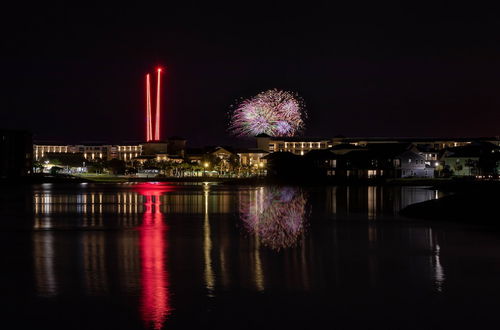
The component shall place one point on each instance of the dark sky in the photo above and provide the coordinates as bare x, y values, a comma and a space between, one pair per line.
76, 73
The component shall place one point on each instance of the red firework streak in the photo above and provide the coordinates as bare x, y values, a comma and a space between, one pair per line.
149, 116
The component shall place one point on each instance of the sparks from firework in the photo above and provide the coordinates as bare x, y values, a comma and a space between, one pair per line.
276, 215
273, 112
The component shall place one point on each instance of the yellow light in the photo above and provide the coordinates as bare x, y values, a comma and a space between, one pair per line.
205, 164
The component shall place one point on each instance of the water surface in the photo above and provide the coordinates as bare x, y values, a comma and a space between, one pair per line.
173, 256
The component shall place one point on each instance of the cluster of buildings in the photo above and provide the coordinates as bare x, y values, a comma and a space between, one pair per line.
337, 157
340, 157
371, 158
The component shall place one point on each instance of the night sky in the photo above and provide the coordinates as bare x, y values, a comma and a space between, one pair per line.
77, 74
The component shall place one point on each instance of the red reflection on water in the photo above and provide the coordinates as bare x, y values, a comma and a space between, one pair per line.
155, 301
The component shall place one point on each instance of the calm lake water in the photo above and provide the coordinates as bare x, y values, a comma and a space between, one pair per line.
177, 256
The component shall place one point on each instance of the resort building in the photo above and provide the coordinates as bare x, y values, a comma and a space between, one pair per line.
295, 145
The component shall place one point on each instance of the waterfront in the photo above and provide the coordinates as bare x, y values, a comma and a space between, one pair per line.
160, 255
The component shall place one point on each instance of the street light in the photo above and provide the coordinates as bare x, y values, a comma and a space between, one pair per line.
205, 165
261, 166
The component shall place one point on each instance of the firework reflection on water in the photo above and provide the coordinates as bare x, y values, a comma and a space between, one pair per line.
277, 215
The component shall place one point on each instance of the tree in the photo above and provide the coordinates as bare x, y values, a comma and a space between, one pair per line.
37, 167
96, 166
116, 166
166, 167
55, 170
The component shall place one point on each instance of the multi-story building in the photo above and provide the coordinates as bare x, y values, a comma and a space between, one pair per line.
429, 147
430, 143
252, 157
40, 150
295, 145
90, 151
127, 152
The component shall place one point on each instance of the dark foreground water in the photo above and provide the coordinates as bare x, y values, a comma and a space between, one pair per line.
174, 256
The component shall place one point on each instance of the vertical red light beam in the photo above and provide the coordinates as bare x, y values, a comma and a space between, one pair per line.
149, 126
157, 124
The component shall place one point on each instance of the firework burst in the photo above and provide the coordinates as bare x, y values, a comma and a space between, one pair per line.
273, 112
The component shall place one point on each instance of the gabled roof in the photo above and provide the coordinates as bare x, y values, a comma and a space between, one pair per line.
208, 150
381, 151
392, 148
345, 146
282, 156
320, 154
250, 151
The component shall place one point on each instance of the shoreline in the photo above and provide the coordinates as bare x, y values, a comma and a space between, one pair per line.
469, 204
455, 185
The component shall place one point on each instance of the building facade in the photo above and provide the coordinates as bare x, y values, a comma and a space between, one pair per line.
296, 145
91, 151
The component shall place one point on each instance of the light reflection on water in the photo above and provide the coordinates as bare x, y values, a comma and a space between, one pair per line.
276, 216
149, 240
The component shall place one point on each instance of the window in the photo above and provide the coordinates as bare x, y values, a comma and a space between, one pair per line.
372, 174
